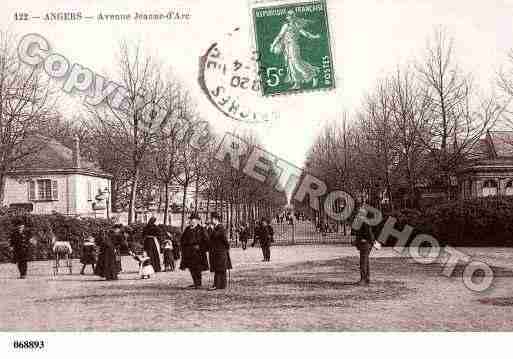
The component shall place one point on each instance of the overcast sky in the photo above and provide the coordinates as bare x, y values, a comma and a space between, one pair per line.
369, 38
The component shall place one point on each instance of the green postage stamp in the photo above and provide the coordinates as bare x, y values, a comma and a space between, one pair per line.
293, 45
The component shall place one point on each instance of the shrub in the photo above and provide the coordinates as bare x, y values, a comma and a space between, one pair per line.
43, 226
478, 222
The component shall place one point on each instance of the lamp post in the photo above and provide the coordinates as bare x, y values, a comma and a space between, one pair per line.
104, 195
107, 202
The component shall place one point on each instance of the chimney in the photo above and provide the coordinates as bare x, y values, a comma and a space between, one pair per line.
76, 152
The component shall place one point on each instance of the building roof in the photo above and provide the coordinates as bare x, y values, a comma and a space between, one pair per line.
501, 143
482, 150
50, 155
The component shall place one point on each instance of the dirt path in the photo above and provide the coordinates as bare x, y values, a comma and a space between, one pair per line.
303, 288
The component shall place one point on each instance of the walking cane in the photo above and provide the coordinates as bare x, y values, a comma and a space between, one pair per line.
229, 278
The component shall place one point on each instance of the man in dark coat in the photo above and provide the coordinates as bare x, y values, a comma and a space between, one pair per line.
244, 235
151, 234
108, 267
119, 239
194, 246
109, 259
219, 249
20, 243
264, 234
100, 239
364, 241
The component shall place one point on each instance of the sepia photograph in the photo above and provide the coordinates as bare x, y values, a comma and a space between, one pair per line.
191, 177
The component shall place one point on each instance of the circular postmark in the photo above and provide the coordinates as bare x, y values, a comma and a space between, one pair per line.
228, 75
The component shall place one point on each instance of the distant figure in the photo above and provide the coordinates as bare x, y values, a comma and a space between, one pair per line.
364, 242
219, 247
20, 243
264, 234
176, 249
194, 246
209, 229
151, 234
88, 256
145, 268
169, 260
244, 235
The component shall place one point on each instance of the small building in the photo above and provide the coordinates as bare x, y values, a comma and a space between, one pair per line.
56, 179
491, 172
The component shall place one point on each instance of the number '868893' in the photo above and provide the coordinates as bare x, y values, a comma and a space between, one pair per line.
29, 344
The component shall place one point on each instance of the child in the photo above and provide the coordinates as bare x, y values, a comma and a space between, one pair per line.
88, 254
169, 261
145, 267
176, 249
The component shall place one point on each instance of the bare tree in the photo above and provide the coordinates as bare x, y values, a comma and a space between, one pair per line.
379, 146
133, 128
25, 105
410, 118
455, 125
505, 82
171, 140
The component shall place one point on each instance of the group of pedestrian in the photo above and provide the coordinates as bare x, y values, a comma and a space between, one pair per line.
285, 216
196, 242
201, 248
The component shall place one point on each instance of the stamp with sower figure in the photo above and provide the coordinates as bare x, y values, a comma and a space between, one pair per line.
293, 44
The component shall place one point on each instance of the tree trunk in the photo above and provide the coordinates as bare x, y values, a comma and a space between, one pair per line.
2, 189
113, 194
208, 203
231, 220
166, 203
159, 208
196, 197
183, 204
133, 194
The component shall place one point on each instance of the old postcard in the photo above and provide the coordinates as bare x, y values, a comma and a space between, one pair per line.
245, 166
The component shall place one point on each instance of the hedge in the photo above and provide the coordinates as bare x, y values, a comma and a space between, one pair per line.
482, 222
75, 230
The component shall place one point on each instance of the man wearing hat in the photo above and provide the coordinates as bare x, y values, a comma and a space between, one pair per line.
20, 243
194, 242
219, 249
264, 234
364, 242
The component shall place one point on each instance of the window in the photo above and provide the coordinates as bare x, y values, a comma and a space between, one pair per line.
42, 190
32, 190
509, 188
89, 191
490, 188
467, 189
